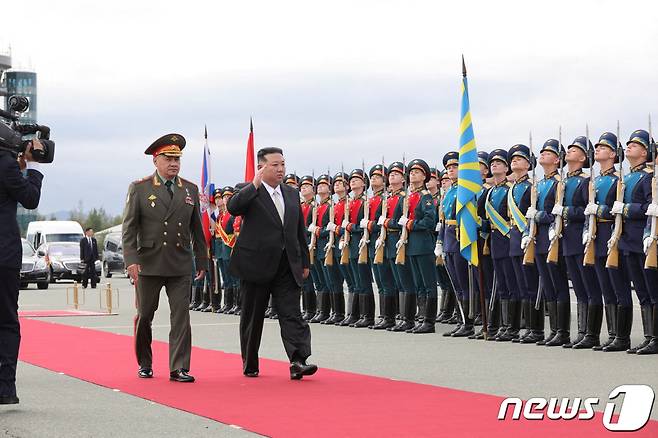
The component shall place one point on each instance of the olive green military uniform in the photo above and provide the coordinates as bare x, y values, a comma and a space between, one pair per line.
162, 233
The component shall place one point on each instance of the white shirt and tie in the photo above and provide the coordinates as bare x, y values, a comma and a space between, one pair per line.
277, 198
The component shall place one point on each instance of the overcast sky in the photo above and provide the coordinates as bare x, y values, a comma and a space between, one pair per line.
330, 82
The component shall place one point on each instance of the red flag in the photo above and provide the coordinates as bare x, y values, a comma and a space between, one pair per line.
249, 171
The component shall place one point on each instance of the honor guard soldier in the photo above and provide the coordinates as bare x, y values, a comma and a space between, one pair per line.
377, 237
447, 306
456, 265
341, 189
518, 201
332, 280
401, 272
314, 281
612, 281
583, 278
637, 197
292, 180
498, 221
216, 244
224, 230
237, 297
552, 276
420, 224
361, 272
160, 220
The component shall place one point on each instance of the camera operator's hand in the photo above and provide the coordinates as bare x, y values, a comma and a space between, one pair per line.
35, 144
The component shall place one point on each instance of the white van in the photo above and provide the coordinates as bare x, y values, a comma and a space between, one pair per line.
40, 232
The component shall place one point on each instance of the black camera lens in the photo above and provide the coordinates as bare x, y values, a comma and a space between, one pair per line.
18, 103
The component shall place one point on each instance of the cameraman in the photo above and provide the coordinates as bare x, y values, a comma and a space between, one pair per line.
14, 188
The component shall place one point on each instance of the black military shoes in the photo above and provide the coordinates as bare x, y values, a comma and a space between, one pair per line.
145, 373
180, 376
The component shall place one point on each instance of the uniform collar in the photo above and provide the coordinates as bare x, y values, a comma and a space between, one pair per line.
502, 183
639, 167
575, 173
608, 171
550, 175
523, 178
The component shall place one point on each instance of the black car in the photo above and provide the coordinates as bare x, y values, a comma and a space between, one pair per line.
113, 255
34, 268
63, 259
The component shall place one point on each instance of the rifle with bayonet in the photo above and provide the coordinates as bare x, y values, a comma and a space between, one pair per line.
314, 222
529, 250
555, 231
363, 244
612, 261
590, 245
345, 251
651, 261
381, 240
329, 253
401, 250
441, 223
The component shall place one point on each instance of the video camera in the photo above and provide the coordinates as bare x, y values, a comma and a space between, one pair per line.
13, 133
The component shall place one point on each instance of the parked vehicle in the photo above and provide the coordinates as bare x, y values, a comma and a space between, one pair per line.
113, 255
63, 259
40, 232
34, 268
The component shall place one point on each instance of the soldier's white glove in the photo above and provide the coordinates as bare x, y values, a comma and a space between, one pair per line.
381, 220
525, 241
331, 227
557, 210
438, 249
364, 223
531, 213
345, 223
585, 237
652, 210
591, 209
399, 244
312, 228
378, 244
327, 246
439, 225
647, 243
363, 243
403, 221
617, 208
341, 245
551, 234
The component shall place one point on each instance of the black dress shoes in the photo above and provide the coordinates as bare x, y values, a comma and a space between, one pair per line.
145, 373
251, 373
299, 369
181, 376
8, 400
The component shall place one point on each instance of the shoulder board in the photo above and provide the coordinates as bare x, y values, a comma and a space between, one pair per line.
648, 169
426, 192
146, 178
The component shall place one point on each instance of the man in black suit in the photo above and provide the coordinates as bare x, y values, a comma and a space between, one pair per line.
88, 256
26, 190
271, 257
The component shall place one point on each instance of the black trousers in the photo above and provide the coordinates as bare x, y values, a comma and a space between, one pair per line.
10, 331
89, 274
295, 333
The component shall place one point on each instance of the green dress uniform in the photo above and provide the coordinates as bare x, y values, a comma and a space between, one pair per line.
163, 233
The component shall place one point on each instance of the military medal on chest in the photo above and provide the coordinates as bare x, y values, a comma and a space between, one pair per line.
152, 198
188, 198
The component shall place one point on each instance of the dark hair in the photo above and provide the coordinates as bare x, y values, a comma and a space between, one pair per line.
88, 228
266, 151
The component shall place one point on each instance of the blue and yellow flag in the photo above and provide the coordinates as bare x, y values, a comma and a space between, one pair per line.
469, 181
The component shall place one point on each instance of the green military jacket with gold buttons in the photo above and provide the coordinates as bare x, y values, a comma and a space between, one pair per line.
162, 234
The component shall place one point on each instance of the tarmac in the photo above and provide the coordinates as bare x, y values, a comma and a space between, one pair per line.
55, 405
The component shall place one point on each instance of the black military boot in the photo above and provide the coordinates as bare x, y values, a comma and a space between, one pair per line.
352, 314
216, 301
322, 312
449, 307
652, 346
238, 301
311, 305
624, 324
228, 300
458, 320
581, 315
611, 323
339, 307
526, 310
205, 302
399, 308
367, 306
382, 312
409, 314
442, 306
647, 327
594, 322
493, 321
389, 313
536, 324
551, 306
196, 296
429, 320
503, 305
422, 301
401, 301
477, 312
466, 328
512, 331
331, 319
563, 325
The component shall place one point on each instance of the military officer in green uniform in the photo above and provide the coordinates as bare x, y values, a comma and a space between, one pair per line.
162, 242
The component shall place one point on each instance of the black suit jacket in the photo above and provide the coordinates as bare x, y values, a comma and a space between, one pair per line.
263, 237
87, 254
14, 188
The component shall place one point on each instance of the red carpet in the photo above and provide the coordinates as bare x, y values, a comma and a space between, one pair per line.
329, 404
56, 313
